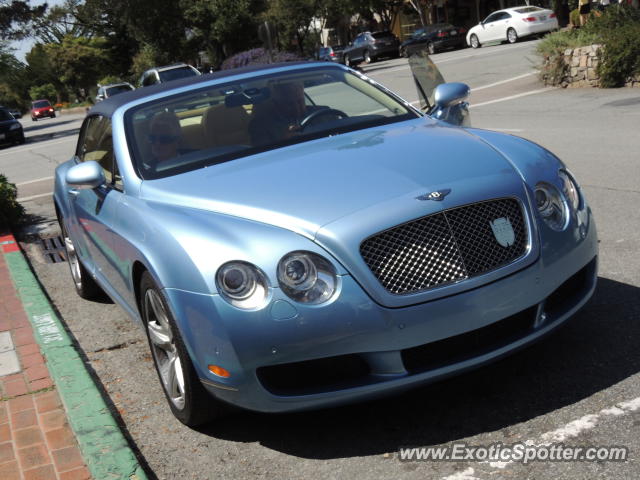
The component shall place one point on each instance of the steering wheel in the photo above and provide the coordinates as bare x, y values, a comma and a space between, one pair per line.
318, 113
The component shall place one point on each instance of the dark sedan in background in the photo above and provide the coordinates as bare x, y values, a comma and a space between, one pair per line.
436, 37
10, 128
367, 47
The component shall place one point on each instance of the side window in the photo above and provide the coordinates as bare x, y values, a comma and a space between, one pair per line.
87, 140
97, 145
492, 18
505, 16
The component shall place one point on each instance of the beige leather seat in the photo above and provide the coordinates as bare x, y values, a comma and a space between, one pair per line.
222, 125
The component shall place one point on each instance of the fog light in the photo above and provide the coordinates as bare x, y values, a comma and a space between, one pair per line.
219, 371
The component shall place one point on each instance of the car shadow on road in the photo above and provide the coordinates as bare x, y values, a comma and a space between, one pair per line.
46, 123
51, 135
595, 350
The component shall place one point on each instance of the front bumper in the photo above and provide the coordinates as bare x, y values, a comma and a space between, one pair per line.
287, 358
43, 113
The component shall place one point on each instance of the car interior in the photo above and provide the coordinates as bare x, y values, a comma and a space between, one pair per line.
222, 122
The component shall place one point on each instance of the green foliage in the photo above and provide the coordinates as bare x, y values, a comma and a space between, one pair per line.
16, 17
145, 59
574, 17
558, 42
10, 210
47, 91
222, 28
79, 62
109, 79
552, 47
618, 29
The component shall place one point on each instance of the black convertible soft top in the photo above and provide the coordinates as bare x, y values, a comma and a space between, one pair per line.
111, 104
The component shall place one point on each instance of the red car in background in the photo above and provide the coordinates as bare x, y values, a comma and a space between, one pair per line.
41, 109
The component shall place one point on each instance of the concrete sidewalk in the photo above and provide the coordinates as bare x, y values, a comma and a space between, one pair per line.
54, 424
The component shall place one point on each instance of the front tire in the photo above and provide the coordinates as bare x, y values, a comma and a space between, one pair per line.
187, 398
475, 43
367, 57
84, 284
512, 36
347, 61
431, 48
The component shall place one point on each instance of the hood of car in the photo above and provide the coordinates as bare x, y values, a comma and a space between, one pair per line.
314, 184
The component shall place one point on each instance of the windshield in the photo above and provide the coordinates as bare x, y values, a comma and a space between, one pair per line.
223, 122
5, 115
41, 104
175, 73
116, 89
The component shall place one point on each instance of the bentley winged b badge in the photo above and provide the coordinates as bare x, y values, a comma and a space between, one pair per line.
436, 196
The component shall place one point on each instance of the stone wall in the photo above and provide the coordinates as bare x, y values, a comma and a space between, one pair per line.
581, 68
581, 64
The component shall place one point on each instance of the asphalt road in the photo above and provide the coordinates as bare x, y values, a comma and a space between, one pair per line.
580, 386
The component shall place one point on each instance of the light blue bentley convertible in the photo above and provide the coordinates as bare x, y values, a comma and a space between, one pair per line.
297, 236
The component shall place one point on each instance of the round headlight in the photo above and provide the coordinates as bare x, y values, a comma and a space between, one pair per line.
551, 206
242, 284
306, 277
570, 189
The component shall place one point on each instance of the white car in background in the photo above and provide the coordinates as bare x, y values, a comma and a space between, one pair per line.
512, 23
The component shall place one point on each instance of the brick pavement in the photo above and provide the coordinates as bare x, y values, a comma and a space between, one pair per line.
36, 442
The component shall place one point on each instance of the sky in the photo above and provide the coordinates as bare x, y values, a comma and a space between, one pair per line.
24, 46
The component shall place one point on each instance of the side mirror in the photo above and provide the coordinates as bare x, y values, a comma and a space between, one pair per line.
85, 175
450, 103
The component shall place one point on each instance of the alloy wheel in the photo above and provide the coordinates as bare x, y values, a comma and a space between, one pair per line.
72, 259
164, 349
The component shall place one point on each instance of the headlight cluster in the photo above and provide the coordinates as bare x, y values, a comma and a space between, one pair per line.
15, 126
554, 205
242, 284
305, 277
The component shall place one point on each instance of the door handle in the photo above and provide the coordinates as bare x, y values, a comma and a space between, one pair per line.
74, 192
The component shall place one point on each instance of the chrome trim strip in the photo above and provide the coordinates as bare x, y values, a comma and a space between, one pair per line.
218, 385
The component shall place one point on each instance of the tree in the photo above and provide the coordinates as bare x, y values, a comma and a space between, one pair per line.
60, 21
79, 62
108, 19
294, 19
220, 27
41, 70
12, 78
16, 18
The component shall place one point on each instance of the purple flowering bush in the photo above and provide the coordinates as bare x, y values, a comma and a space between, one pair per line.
258, 56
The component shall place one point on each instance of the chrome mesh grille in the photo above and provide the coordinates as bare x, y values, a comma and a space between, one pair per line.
444, 247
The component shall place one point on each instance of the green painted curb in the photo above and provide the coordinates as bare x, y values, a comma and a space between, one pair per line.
103, 446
